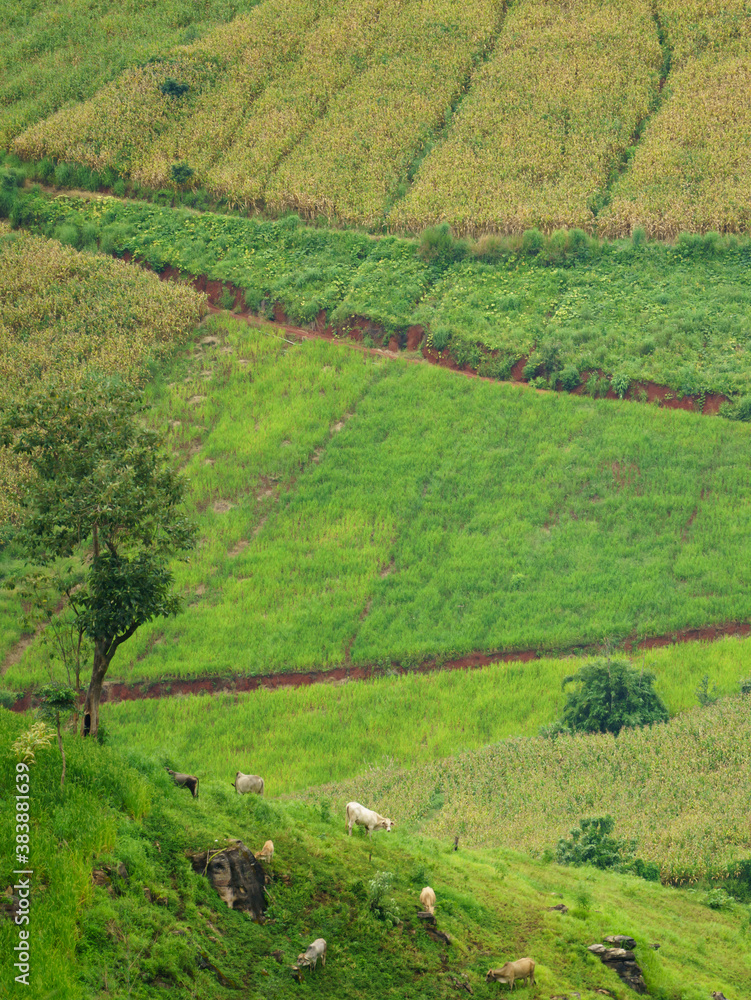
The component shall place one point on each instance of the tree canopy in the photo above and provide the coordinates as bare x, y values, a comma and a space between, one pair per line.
101, 490
611, 694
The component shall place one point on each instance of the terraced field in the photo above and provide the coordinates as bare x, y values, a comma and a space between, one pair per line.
591, 114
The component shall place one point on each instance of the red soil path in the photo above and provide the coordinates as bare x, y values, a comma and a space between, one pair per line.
356, 328
168, 687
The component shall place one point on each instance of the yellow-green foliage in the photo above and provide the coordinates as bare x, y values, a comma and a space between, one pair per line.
332, 53
132, 125
64, 314
545, 121
351, 164
681, 789
692, 170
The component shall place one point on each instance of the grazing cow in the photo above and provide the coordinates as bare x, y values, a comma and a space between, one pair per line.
185, 781
520, 969
367, 818
244, 783
267, 851
427, 898
312, 953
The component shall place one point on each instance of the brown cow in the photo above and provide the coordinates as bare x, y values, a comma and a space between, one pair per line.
522, 968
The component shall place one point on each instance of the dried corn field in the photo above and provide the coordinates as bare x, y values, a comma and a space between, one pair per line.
586, 114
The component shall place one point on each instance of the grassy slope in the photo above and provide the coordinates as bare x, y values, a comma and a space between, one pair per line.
347, 730
358, 510
492, 903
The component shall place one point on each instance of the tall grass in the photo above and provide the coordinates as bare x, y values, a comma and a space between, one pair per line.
359, 511
298, 737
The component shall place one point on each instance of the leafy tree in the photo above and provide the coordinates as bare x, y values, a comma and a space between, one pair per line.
103, 492
591, 844
611, 694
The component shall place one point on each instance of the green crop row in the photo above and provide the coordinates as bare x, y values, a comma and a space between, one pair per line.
678, 315
358, 510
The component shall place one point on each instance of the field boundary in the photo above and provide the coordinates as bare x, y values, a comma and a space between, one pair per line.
167, 687
352, 331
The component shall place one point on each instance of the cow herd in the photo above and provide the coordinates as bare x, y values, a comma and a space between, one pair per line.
356, 815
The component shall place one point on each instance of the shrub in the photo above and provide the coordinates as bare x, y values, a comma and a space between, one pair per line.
530, 369
591, 844
181, 173
611, 694
704, 696
174, 89
64, 175
439, 246
740, 410
620, 383
118, 188
719, 899
383, 907
569, 378
532, 242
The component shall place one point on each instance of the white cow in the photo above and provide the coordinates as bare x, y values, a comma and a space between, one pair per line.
367, 818
312, 953
244, 783
520, 969
427, 898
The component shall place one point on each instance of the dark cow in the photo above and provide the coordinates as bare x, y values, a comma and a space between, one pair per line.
185, 781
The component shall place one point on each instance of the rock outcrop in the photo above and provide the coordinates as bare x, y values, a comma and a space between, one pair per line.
236, 875
621, 959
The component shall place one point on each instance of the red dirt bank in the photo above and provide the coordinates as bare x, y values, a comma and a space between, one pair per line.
169, 687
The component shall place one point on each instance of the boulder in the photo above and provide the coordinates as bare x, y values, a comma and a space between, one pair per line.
621, 941
236, 875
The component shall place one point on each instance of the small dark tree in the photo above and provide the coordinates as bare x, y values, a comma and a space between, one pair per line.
56, 702
611, 694
591, 844
102, 492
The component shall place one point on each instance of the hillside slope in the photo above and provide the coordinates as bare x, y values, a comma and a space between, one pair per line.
155, 925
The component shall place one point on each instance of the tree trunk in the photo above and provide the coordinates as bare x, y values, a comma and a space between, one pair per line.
62, 752
94, 694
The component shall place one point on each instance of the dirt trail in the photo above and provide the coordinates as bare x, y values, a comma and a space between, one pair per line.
167, 687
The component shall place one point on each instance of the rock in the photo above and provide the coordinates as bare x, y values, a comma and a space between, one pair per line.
237, 877
622, 962
617, 955
621, 941
561, 908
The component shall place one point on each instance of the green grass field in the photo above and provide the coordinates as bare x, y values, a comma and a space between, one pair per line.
331, 732
358, 510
